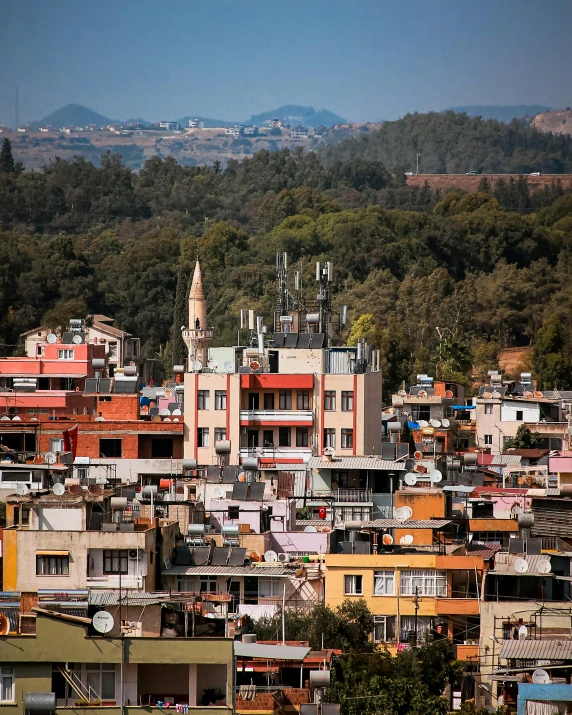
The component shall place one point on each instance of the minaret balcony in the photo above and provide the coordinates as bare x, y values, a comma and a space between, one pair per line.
193, 335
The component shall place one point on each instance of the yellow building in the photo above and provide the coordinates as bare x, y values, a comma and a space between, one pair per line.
445, 590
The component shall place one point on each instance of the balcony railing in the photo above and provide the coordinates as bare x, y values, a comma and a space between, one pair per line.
269, 416
344, 495
277, 452
112, 581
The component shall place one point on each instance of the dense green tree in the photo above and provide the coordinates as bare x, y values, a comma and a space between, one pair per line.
180, 319
552, 367
524, 439
7, 163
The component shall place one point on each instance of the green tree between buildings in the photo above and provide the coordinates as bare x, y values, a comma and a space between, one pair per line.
524, 439
552, 367
7, 164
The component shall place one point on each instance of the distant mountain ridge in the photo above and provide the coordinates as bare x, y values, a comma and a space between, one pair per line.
502, 113
79, 116
73, 115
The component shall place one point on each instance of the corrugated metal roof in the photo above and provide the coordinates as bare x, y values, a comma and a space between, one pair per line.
396, 524
294, 467
374, 462
229, 571
536, 650
505, 564
136, 598
270, 652
506, 459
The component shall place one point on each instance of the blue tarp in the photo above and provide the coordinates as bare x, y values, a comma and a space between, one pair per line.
463, 407
413, 425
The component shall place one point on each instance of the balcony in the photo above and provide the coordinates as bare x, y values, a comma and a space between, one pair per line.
112, 581
468, 606
468, 651
278, 454
277, 418
345, 496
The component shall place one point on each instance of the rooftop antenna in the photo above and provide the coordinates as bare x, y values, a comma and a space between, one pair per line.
17, 110
324, 277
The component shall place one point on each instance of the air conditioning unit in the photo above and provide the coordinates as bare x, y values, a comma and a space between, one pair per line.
133, 554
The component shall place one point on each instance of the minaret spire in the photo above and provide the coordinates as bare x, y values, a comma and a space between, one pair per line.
197, 336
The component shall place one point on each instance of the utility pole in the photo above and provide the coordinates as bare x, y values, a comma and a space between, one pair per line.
418, 155
416, 606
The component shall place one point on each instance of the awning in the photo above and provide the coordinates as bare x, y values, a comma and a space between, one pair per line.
47, 552
270, 652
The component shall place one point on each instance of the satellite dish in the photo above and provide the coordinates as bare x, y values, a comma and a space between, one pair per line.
50, 458
271, 557
496, 395
4, 625
423, 423
242, 477
422, 393
403, 513
75, 489
528, 393
175, 419
176, 411
387, 539
435, 423
521, 565
4, 418
406, 540
310, 529
77, 339
58, 489
212, 364
435, 476
51, 338
402, 393
155, 418
197, 365
94, 489
99, 419
418, 455
167, 419
254, 556
522, 633
228, 366
219, 493
16, 418
449, 393
537, 393
254, 365
544, 566
21, 489
410, 479
103, 622
540, 676
420, 468
165, 412
445, 423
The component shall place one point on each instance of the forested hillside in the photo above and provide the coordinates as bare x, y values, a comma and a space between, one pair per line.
451, 143
486, 269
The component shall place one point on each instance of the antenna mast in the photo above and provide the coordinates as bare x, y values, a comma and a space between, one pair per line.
16, 111
282, 298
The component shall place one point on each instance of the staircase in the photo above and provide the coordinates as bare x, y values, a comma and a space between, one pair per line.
86, 694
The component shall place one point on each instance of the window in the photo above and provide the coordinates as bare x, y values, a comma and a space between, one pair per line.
208, 584
301, 436
284, 437
424, 583
488, 439
253, 438
203, 437
187, 583
519, 415
115, 561
330, 400
303, 400
347, 438
488, 409
268, 438
253, 400
353, 585
67, 383
329, 437
220, 400
52, 565
384, 629
347, 401
203, 399
285, 400
421, 412
65, 354
110, 447
268, 400
7, 685
233, 513
219, 434
383, 583
101, 678
56, 445
269, 588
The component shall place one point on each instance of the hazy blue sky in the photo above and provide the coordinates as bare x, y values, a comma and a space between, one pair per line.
364, 59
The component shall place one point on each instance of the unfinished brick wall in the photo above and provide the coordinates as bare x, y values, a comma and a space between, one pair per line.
290, 701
